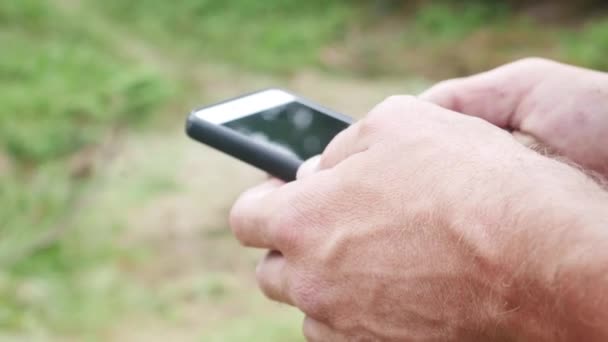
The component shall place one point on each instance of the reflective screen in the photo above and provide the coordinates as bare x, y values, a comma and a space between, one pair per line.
294, 128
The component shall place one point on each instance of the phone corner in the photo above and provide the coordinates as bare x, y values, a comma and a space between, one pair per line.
190, 122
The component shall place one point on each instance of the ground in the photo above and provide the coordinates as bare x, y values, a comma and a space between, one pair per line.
124, 237
191, 259
154, 209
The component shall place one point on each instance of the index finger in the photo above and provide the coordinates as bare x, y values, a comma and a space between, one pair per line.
273, 214
251, 212
343, 145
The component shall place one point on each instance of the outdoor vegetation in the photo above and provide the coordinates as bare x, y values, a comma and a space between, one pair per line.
113, 224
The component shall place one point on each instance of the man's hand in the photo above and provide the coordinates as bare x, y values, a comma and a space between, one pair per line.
564, 107
419, 223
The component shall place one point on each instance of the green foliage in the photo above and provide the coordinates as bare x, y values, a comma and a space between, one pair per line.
75, 283
56, 289
29, 207
65, 82
589, 47
277, 35
60, 85
454, 20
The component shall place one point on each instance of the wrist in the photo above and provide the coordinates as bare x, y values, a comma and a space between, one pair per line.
559, 269
581, 282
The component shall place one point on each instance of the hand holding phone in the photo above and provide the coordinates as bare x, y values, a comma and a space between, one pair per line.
273, 130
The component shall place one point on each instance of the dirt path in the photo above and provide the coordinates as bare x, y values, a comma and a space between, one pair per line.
184, 226
172, 195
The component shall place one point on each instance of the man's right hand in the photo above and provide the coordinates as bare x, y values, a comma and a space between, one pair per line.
563, 107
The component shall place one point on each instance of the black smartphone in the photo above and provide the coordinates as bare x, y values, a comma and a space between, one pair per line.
273, 130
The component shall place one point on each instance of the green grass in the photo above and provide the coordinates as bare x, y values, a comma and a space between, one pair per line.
447, 38
62, 87
589, 45
437, 39
66, 81
438, 20
494, 31
278, 36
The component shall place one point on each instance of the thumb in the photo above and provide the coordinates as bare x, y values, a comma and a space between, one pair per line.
493, 96
309, 167
475, 96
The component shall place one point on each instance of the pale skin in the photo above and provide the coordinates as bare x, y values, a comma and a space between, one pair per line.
419, 223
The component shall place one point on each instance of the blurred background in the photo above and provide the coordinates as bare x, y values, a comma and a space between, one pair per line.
113, 225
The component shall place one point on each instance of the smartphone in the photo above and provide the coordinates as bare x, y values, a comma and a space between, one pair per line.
273, 130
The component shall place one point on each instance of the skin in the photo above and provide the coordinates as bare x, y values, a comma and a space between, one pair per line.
422, 224
563, 107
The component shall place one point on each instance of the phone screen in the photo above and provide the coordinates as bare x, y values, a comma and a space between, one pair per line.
294, 128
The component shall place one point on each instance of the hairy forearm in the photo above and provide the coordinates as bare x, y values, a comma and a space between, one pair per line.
582, 282
560, 288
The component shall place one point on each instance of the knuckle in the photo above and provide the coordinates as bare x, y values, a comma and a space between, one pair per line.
378, 117
286, 227
238, 218
531, 62
370, 125
396, 102
263, 282
309, 330
288, 222
307, 295
243, 216
386, 113
392, 99
261, 273
447, 84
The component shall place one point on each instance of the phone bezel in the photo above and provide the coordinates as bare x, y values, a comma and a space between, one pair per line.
244, 106
205, 125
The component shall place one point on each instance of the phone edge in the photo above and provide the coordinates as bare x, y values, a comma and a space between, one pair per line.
274, 162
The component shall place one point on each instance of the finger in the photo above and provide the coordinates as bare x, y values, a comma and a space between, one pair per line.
309, 167
534, 144
525, 139
343, 145
272, 279
494, 95
315, 331
359, 137
363, 134
249, 215
476, 96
